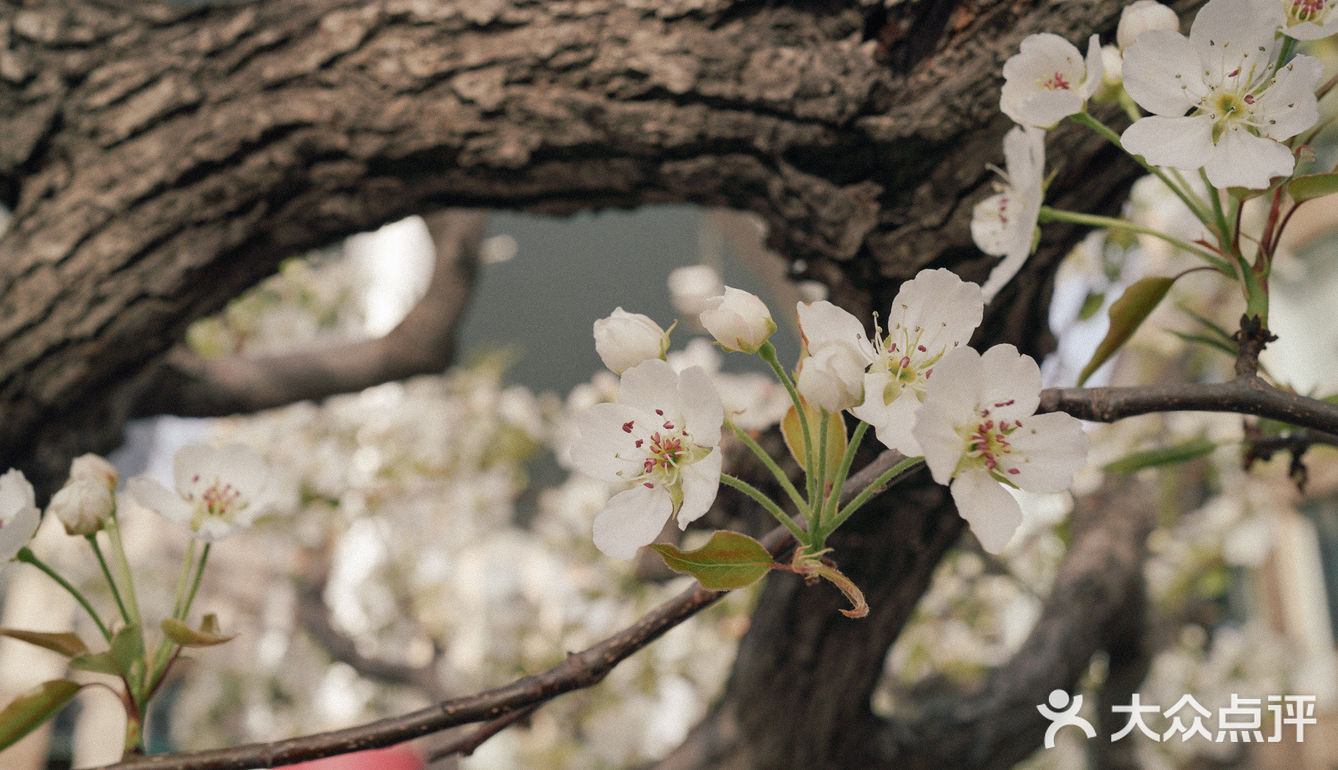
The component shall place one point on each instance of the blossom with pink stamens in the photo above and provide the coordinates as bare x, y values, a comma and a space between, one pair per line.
980, 433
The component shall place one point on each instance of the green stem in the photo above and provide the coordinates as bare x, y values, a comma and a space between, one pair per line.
183, 579
868, 492
195, 584
815, 500
1049, 214
768, 354
768, 504
771, 465
26, 555
1219, 215
1190, 200
130, 610
107, 575
829, 508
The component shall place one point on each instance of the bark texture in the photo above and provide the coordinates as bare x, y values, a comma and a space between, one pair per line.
158, 159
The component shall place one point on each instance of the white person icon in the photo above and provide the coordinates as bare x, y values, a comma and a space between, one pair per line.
1062, 712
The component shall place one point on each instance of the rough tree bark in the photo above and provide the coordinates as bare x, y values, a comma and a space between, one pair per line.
159, 158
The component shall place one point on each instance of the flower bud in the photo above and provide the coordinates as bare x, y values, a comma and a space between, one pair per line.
738, 320
83, 506
91, 467
1141, 16
625, 339
833, 378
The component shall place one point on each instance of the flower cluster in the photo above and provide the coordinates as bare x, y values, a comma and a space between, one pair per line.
915, 382
1228, 102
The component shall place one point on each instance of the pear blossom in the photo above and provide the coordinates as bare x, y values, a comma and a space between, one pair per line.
19, 516
690, 287
83, 506
1004, 224
1143, 15
738, 320
831, 377
1309, 19
93, 467
218, 490
980, 433
660, 440
1216, 100
625, 339
1049, 79
932, 314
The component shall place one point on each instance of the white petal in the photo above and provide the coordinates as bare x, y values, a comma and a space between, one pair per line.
631, 519
650, 385
1289, 107
1047, 450
936, 431
1242, 159
1011, 383
893, 423
956, 382
1184, 143
946, 307
1092, 79
1024, 155
156, 497
698, 402
701, 482
993, 514
823, 323
1041, 108
600, 438
989, 228
1162, 72
1231, 34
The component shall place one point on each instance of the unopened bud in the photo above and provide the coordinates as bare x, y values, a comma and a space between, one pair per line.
83, 506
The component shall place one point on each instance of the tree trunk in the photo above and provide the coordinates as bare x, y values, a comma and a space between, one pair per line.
160, 158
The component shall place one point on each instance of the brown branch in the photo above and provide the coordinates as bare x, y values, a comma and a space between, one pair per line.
423, 343
465, 745
1246, 395
578, 671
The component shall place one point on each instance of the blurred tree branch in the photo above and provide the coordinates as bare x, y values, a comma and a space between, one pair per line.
422, 343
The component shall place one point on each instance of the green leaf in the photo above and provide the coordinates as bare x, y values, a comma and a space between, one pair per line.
206, 635
127, 651
728, 560
1168, 455
1126, 314
1090, 304
1205, 339
28, 711
96, 662
1310, 186
66, 644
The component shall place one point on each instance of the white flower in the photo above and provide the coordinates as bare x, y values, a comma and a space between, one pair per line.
690, 287
19, 516
661, 440
1004, 224
625, 339
832, 376
91, 467
82, 505
979, 432
218, 491
1141, 16
1049, 79
932, 314
1309, 19
738, 320
1217, 103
